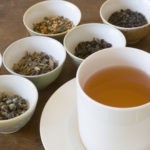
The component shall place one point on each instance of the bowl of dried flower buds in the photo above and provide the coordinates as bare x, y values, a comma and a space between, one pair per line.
52, 18
129, 16
86, 39
18, 99
37, 58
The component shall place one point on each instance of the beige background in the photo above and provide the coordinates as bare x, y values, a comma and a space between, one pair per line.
11, 29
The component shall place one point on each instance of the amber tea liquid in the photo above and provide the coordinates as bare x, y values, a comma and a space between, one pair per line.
119, 87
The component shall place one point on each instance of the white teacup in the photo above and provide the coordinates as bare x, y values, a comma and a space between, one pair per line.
103, 127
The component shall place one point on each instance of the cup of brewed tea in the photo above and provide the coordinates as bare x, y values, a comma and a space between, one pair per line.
113, 100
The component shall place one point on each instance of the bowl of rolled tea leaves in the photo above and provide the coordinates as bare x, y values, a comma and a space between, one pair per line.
37, 58
129, 16
52, 18
87, 39
18, 100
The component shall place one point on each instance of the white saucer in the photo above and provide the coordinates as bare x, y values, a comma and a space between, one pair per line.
58, 125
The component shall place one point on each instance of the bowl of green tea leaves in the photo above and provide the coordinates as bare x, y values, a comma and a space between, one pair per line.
37, 58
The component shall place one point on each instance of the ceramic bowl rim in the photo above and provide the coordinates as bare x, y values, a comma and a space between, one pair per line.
1, 60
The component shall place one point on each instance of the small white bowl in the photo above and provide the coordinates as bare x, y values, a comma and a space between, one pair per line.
11, 84
134, 34
87, 32
37, 12
32, 44
0, 60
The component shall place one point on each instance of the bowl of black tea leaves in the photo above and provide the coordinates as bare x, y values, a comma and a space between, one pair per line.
87, 39
130, 17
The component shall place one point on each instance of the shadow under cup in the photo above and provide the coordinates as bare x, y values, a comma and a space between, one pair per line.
103, 127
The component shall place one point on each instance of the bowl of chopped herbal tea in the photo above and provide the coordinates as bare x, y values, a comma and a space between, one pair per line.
37, 58
129, 16
52, 18
18, 99
86, 39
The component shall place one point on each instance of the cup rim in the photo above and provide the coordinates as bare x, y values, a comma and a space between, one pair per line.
30, 109
33, 76
51, 1
88, 24
118, 27
97, 104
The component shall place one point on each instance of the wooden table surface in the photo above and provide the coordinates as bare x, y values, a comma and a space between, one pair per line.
11, 29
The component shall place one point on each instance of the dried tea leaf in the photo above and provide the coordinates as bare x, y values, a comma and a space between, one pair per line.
35, 64
127, 18
84, 49
12, 106
53, 25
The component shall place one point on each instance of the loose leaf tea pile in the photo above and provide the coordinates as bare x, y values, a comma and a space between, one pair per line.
35, 64
11, 106
53, 25
86, 48
127, 18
